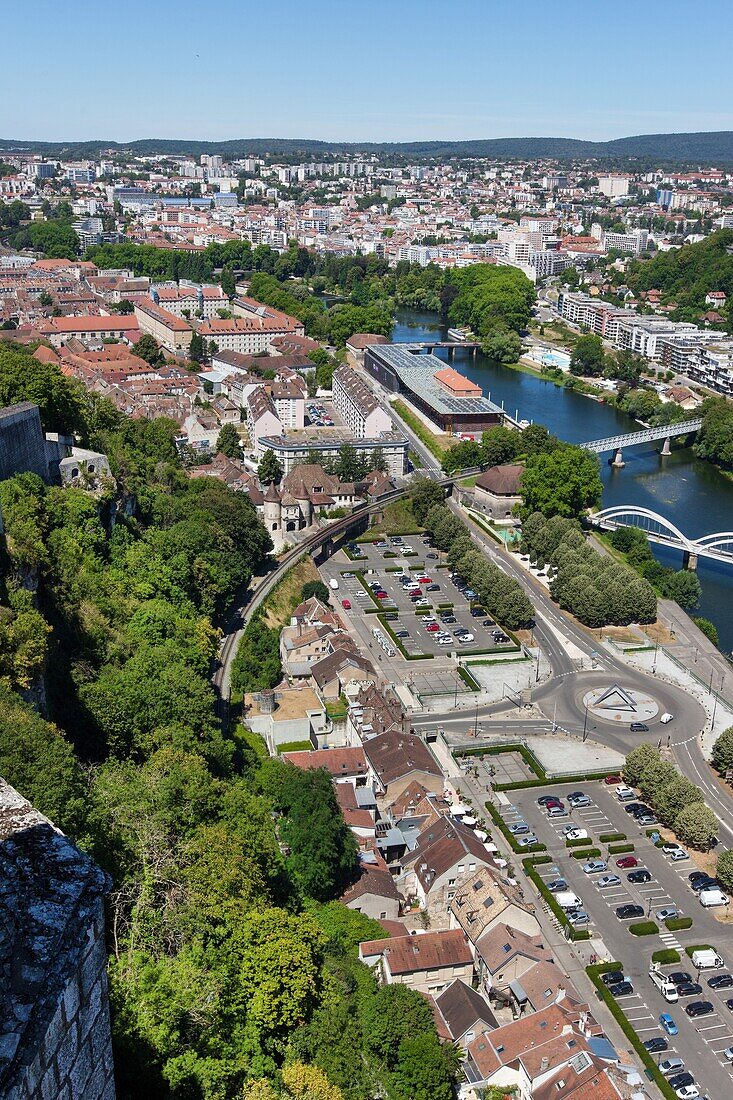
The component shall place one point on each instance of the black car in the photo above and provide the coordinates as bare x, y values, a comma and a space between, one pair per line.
642, 875
680, 977
432, 557
613, 977
640, 811
477, 612
704, 883
621, 989
639, 727
632, 807
689, 989
656, 1045
402, 634
699, 1008
679, 1080
729, 1003
696, 875
488, 622
721, 981
627, 912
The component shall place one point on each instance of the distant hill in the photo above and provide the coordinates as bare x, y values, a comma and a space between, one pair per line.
700, 148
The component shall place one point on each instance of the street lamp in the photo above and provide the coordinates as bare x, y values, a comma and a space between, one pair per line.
475, 721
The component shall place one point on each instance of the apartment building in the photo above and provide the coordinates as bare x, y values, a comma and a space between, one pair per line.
59, 330
172, 332
191, 301
358, 404
712, 366
613, 187
297, 447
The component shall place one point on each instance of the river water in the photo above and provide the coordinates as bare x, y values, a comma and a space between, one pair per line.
692, 494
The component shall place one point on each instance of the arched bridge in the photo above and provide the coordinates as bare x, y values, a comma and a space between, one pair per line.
662, 531
616, 443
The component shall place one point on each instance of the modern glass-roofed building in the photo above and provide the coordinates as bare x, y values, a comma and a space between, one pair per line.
451, 401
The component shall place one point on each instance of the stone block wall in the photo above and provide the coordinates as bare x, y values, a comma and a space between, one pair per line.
55, 1041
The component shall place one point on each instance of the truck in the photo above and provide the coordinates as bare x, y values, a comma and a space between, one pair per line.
667, 988
706, 958
566, 899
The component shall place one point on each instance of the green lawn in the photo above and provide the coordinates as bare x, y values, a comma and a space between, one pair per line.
432, 441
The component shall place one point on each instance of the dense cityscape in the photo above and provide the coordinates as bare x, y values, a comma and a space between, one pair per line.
366, 647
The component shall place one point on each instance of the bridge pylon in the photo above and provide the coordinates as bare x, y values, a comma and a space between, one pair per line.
666, 448
618, 459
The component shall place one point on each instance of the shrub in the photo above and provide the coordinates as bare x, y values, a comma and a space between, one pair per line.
587, 853
689, 951
678, 924
606, 838
619, 849
644, 928
578, 843
666, 957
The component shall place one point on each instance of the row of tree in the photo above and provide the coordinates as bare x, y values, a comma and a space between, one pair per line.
596, 589
681, 585
676, 800
501, 596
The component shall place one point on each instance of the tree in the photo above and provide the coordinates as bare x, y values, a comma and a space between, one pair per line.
394, 1015
697, 826
499, 445
425, 493
724, 869
424, 1069
269, 469
564, 482
349, 465
588, 357
308, 1083
722, 756
504, 347
684, 587
227, 282
197, 348
637, 761
228, 442
654, 777
675, 796
147, 348
317, 589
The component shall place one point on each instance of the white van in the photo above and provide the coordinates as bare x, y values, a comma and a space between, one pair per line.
333, 583
566, 899
711, 897
706, 959
666, 718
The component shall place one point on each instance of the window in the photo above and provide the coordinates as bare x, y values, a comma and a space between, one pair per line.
451, 882
500, 1050
382, 916
461, 868
472, 866
547, 993
507, 947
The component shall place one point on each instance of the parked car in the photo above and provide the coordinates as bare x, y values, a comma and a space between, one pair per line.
548, 800
721, 981
594, 867
668, 913
688, 1092
678, 855
647, 819
577, 916
477, 612
699, 1008
612, 977
608, 880
402, 633
432, 628
629, 912
625, 862
556, 885
448, 619
679, 977
656, 1045
346, 604
525, 841
433, 588
689, 989
578, 799
432, 557
667, 1024
464, 639
470, 594
621, 989
679, 1080
576, 834
642, 875
612, 780
518, 828
487, 623
557, 811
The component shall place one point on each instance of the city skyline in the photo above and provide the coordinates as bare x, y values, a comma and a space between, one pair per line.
335, 74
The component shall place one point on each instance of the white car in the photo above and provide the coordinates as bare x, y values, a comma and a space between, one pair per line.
666, 718
465, 638
572, 833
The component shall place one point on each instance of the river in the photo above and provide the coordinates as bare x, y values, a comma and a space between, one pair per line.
692, 494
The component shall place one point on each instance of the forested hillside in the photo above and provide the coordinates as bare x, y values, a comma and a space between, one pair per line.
230, 962
686, 275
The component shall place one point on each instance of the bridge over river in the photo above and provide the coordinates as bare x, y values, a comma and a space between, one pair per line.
659, 529
667, 432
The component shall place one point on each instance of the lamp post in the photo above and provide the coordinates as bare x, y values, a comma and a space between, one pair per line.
475, 722
585, 723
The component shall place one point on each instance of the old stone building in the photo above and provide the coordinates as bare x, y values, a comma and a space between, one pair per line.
55, 1040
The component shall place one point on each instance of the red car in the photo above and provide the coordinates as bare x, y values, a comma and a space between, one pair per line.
425, 580
381, 595
432, 627
627, 861
346, 604
612, 780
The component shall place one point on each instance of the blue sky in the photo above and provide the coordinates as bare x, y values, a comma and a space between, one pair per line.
381, 70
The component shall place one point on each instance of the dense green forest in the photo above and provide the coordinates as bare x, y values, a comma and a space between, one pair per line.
706, 147
686, 275
715, 439
233, 969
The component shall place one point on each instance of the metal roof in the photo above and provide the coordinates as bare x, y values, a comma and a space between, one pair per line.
416, 370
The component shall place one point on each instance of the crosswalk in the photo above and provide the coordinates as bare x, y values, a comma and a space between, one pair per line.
670, 940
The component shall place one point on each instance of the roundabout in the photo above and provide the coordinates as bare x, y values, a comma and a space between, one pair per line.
620, 704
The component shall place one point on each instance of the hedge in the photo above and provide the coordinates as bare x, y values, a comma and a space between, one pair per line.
627, 1027
468, 679
398, 642
255, 742
644, 928
587, 853
700, 947
608, 838
666, 957
678, 924
509, 837
619, 849
548, 897
578, 843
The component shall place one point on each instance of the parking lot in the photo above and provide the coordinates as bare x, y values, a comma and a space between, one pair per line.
701, 1041
434, 616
